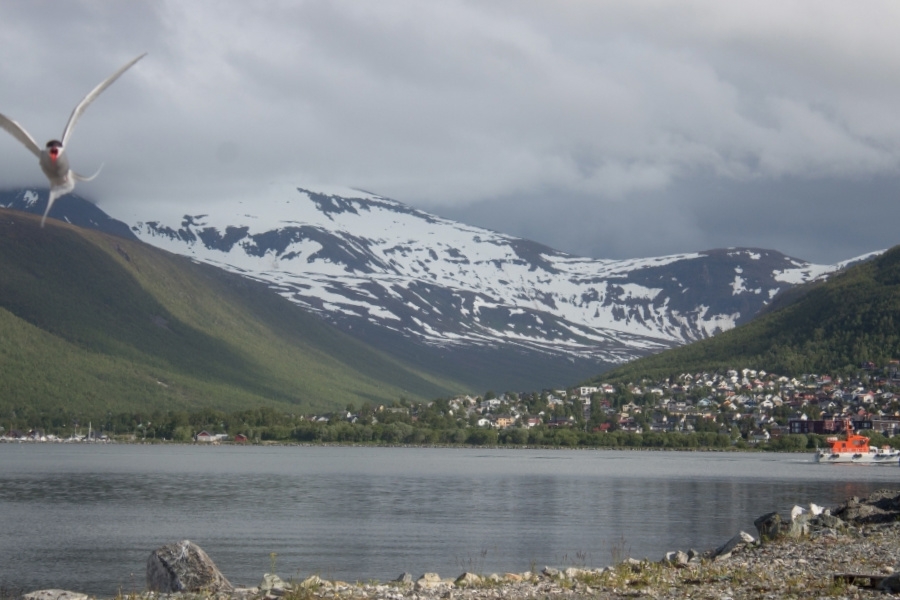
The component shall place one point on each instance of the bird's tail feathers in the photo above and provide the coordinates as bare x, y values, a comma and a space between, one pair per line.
83, 178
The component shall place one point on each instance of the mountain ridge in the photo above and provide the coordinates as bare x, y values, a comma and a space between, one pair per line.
93, 322
364, 245
437, 292
835, 327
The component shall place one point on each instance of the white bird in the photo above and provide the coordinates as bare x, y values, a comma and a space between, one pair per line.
53, 160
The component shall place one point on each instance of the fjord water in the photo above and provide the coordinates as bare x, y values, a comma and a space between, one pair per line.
86, 517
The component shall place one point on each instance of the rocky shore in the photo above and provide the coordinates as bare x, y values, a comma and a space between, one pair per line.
848, 551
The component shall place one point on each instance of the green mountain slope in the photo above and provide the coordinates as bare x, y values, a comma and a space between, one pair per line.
91, 323
830, 327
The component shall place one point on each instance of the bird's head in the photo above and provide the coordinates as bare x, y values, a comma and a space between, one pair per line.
54, 149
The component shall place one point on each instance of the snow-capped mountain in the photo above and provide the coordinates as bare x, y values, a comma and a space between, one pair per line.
71, 208
480, 306
363, 261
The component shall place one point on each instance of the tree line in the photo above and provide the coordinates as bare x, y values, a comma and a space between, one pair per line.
398, 427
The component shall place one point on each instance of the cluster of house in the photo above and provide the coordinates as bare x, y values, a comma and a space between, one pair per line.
758, 405
769, 405
761, 405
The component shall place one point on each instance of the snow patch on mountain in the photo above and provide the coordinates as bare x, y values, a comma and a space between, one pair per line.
353, 256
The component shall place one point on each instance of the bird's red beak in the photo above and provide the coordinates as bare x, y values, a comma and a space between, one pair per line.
54, 152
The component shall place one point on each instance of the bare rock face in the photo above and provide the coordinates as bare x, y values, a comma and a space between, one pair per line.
184, 567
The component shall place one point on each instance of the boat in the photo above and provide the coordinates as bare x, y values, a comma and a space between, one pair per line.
853, 448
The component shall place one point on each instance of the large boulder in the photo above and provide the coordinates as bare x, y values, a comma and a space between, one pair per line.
882, 506
184, 567
799, 526
804, 522
769, 526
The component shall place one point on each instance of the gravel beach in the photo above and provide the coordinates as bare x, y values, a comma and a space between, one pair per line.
785, 568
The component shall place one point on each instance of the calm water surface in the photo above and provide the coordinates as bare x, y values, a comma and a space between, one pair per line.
86, 517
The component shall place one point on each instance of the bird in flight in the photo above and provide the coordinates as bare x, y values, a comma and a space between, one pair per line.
53, 159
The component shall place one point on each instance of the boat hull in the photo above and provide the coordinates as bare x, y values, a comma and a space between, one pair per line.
882, 457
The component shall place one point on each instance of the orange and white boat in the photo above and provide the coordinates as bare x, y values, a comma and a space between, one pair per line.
853, 448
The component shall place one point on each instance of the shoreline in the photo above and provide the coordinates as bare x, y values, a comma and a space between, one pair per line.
849, 551
277, 444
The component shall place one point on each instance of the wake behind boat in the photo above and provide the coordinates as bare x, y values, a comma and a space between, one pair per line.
854, 449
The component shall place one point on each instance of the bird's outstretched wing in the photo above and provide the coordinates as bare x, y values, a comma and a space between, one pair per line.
92, 96
20, 134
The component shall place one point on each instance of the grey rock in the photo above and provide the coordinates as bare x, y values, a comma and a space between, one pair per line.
574, 573
634, 564
184, 567
550, 572
404, 578
677, 558
799, 526
311, 582
826, 521
769, 526
733, 544
429, 581
882, 506
273, 584
890, 584
467, 580
54, 595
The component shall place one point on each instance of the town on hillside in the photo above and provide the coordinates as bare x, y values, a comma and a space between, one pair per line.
750, 406
741, 408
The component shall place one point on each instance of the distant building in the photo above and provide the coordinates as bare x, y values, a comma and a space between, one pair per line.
825, 427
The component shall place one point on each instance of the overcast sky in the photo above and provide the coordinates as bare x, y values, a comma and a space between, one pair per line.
606, 129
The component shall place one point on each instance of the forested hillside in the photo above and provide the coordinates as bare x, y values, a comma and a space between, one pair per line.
834, 327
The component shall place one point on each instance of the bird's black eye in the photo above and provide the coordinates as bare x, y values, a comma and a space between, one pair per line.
54, 144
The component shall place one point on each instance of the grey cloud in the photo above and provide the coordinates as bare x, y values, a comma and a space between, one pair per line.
573, 123
822, 219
